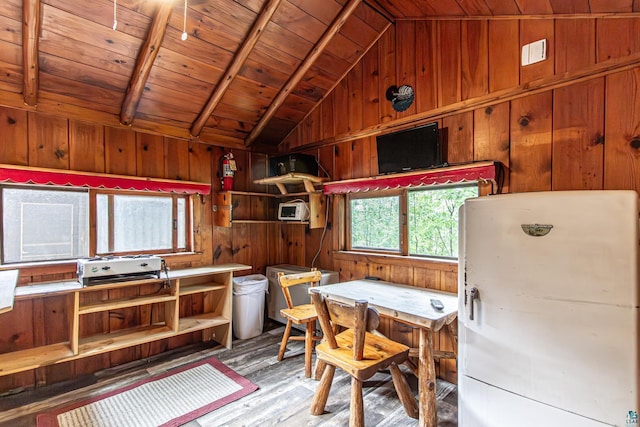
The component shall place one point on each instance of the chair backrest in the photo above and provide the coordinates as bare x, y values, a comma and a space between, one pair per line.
312, 277
359, 317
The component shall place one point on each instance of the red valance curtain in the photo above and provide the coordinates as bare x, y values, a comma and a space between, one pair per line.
481, 171
28, 175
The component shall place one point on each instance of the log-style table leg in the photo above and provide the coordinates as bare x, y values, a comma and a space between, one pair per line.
427, 381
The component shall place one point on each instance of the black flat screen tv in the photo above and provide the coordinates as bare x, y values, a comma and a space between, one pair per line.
411, 149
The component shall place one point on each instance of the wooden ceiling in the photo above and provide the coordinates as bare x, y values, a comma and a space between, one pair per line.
247, 73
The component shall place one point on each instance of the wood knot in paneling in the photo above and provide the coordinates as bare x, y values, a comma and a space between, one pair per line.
11, 120
488, 111
524, 120
635, 142
217, 252
60, 154
598, 139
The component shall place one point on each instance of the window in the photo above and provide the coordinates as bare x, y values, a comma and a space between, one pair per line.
46, 224
137, 223
43, 224
418, 222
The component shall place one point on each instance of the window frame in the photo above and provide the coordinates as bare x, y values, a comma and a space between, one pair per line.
403, 219
93, 213
92, 222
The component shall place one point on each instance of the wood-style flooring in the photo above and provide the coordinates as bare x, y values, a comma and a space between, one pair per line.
283, 398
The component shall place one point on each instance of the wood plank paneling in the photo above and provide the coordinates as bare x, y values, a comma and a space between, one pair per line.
531, 143
176, 159
622, 131
86, 147
475, 59
617, 38
355, 103
578, 136
426, 65
449, 85
13, 136
491, 136
570, 55
387, 62
504, 54
48, 141
120, 151
459, 134
150, 155
370, 89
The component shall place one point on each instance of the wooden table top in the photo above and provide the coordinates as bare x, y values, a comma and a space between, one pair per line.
405, 303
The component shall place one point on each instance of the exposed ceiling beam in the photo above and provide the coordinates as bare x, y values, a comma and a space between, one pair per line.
148, 53
30, 32
293, 81
234, 68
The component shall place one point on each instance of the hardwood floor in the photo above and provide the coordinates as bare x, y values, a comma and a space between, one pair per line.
283, 398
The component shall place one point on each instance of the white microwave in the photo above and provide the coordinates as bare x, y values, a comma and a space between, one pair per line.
293, 211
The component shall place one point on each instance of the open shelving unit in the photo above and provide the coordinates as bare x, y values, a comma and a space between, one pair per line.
214, 283
244, 207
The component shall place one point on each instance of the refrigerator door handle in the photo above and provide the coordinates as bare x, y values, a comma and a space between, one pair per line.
474, 293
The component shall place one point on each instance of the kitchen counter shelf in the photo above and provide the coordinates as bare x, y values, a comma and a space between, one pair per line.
213, 283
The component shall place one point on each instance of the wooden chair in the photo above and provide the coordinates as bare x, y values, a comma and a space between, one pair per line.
357, 351
300, 314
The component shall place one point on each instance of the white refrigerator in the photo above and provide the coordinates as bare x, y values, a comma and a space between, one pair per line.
548, 312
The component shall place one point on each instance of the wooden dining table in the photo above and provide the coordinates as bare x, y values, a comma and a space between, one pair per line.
411, 305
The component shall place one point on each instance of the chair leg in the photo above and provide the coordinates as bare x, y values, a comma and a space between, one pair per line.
320, 367
285, 338
322, 393
404, 392
356, 415
308, 348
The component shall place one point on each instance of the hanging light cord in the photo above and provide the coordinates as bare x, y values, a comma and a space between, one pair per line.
184, 22
115, 21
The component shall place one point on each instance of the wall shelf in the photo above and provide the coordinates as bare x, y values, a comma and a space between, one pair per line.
240, 207
215, 283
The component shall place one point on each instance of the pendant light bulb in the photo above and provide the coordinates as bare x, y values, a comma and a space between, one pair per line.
184, 22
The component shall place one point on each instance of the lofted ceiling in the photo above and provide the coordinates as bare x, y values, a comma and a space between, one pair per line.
248, 72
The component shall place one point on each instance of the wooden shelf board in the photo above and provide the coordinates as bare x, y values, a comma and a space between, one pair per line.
97, 344
253, 221
201, 321
205, 271
32, 358
196, 289
116, 304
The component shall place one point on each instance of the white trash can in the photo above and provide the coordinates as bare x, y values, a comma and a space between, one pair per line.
248, 305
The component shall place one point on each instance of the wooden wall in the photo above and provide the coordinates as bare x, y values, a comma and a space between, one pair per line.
39, 140
571, 122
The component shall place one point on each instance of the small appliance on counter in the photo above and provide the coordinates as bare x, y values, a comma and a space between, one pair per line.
109, 269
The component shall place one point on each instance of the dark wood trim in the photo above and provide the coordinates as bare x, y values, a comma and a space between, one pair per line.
30, 33
235, 66
293, 81
146, 57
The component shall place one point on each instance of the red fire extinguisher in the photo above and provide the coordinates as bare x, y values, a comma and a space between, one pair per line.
228, 171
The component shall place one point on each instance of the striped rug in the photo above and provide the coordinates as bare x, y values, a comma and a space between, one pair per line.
170, 399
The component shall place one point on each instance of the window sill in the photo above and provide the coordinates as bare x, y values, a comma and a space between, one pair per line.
421, 262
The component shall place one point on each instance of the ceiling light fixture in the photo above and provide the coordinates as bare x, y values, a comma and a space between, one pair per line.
115, 21
184, 22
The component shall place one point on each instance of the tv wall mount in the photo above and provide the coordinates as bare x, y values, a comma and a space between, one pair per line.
401, 97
